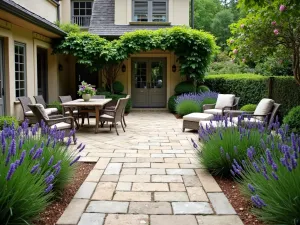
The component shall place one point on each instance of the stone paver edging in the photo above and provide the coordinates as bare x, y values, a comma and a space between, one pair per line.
148, 175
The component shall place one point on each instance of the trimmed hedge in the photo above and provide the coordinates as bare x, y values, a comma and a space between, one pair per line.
251, 88
184, 87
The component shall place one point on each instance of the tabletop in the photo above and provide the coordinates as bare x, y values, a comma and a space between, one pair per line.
91, 102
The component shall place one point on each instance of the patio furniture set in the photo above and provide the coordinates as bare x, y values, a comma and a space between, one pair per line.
73, 110
227, 107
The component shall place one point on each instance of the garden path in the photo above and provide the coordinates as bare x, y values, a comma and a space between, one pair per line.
147, 175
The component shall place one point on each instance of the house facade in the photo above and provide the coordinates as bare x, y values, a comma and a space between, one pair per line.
28, 68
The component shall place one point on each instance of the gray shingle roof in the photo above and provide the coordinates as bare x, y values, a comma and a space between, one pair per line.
102, 21
16, 9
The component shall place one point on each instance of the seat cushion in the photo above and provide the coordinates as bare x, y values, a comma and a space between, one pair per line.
74, 112
196, 117
62, 125
204, 124
106, 116
224, 100
53, 110
29, 113
264, 107
247, 120
213, 111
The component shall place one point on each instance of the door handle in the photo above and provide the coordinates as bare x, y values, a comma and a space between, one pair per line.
3, 91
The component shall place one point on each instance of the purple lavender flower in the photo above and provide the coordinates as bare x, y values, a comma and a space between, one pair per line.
3, 142
69, 142
12, 148
81, 149
49, 188
57, 164
75, 160
50, 160
49, 179
274, 175
251, 188
48, 141
269, 157
38, 153
197, 97
20, 143
79, 146
11, 171
42, 145
57, 170
256, 167
22, 157
264, 172
258, 202
274, 166
235, 150
7, 160
34, 168
250, 153
232, 173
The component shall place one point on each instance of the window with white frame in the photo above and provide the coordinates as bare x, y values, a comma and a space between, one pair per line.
20, 69
150, 10
82, 12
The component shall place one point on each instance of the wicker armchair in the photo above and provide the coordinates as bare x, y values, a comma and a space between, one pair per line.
112, 105
115, 115
57, 121
27, 112
39, 99
210, 108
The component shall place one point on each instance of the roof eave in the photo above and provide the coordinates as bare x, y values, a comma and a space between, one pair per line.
19, 13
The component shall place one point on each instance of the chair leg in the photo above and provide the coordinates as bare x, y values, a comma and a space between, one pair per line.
110, 127
88, 117
124, 121
82, 119
74, 139
122, 126
116, 128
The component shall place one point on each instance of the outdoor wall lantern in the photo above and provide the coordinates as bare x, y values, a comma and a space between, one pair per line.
174, 68
123, 68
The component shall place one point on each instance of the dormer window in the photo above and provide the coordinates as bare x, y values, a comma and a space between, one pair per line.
150, 10
82, 12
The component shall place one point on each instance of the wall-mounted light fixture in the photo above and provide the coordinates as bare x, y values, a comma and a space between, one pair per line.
174, 68
123, 68
60, 67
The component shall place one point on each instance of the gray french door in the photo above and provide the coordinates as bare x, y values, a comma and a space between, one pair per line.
149, 82
2, 109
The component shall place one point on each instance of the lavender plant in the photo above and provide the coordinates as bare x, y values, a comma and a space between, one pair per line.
34, 165
193, 102
222, 145
272, 181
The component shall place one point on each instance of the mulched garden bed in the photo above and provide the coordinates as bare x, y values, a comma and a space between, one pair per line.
56, 208
241, 205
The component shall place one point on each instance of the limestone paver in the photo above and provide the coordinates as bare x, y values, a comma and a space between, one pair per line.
117, 219
107, 207
219, 220
132, 196
92, 219
149, 174
173, 220
150, 208
191, 208
150, 187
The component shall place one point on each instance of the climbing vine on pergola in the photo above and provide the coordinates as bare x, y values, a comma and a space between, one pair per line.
194, 49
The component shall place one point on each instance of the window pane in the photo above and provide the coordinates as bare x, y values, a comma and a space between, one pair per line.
22, 76
21, 50
141, 11
76, 4
22, 84
88, 12
82, 5
76, 12
82, 12
21, 58
159, 13
89, 5
17, 85
22, 92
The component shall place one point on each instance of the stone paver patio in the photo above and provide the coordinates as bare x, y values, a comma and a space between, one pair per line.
148, 175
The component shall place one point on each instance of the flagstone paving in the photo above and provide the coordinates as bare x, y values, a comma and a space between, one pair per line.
148, 175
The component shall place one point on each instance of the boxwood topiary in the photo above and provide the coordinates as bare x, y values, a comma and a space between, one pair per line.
186, 107
203, 88
249, 108
118, 87
172, 104
184, 87
293, 119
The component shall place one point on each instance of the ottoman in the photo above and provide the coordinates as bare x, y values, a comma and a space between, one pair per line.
191, 121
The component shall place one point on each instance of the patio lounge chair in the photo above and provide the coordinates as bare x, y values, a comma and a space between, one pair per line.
115, 115
28, 114
58, 121
224, 103
39, 99
265, 112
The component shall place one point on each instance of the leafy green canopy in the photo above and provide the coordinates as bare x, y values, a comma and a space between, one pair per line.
194, 49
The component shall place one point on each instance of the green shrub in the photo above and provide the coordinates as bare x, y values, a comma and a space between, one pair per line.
202, 88
228, 67
249, 108
118, 87
172, 104
9, 120
186, 107
292, 119
34, 169
184, 87
56, 104
272, 181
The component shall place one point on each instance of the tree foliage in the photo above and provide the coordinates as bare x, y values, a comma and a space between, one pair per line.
194, 49
267, 29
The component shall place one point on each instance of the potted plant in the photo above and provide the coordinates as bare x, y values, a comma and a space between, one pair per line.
86, 91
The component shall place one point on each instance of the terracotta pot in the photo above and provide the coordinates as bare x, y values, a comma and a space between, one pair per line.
86, 97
